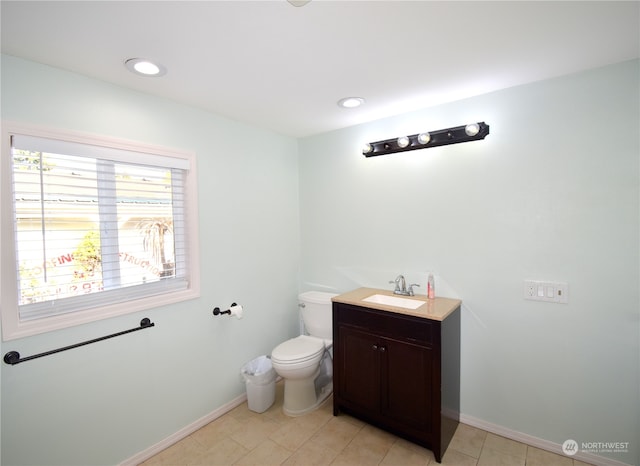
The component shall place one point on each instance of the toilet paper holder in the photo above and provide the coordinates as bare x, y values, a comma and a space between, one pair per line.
234, 310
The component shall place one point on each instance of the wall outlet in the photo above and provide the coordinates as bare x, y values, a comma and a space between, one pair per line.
551, 292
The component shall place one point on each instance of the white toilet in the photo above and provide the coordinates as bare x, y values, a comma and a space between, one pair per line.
305, 362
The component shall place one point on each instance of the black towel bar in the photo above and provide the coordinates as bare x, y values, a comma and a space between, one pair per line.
13, 357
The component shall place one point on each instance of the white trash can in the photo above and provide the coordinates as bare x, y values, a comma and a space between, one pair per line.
260, 378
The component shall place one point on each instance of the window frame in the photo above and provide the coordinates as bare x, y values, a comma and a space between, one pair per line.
12, 326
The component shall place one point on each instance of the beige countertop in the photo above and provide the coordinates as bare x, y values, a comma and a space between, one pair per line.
434, 309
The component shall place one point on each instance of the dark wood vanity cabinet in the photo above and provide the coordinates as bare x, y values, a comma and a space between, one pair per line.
398, 372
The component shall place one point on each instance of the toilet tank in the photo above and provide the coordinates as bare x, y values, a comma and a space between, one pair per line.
316, 311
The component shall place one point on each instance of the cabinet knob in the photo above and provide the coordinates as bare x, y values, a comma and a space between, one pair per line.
375, 347
383, 348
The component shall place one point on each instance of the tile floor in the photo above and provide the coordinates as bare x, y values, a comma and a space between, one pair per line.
243, 437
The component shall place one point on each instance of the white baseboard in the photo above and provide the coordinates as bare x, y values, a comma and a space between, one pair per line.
184, 432
587, 457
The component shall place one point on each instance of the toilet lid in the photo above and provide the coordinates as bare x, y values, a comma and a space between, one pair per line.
302, 347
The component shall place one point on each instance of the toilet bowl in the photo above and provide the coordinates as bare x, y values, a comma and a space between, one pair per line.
305, 365
304, 362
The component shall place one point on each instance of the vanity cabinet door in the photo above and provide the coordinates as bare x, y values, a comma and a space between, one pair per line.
359, 368
406, 384
387, 376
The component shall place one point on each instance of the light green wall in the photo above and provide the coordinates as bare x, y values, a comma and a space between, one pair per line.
551, 194
105, 402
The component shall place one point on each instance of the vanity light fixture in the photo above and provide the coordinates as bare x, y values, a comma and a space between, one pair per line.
441, 137
144, 67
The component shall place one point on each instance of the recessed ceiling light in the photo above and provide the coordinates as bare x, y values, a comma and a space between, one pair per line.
145, 67
350, 102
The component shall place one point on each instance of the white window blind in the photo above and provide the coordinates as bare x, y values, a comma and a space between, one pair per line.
95, 225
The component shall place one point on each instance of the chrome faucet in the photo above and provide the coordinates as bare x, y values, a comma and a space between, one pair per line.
401, 286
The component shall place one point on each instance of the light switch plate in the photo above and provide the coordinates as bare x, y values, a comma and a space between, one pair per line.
550, 292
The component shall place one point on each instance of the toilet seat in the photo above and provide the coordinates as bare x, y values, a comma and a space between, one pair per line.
297, 350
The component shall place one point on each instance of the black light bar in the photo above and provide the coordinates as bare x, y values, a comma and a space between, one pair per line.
441, 137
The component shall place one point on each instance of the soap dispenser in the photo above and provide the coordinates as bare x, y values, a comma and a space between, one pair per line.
431, 287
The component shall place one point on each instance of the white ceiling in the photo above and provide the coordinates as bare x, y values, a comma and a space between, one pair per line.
283, 68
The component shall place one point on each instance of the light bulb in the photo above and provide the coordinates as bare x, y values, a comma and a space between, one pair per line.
424, 138
403, 141
146, 67
350, 102
472, 129
367, 148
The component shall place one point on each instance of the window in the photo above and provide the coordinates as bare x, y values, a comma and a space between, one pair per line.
99, 228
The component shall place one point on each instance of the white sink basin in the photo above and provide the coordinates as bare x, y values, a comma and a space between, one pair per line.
394, 301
